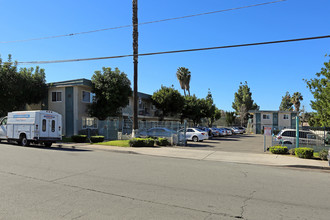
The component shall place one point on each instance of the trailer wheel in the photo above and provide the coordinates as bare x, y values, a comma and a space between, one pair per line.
23, 141
48, 144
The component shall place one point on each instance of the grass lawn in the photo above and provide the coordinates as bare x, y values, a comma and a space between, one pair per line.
119, 143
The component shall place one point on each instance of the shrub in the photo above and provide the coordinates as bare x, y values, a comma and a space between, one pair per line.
92, 132
292, 151
142, 142
163, 142
79, 138
279, 150
97, 139
323, 154
304, 152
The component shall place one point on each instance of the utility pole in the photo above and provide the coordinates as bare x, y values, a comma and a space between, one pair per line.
135, 59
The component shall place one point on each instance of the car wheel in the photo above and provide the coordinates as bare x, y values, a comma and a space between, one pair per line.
48, 144
195, 139
24, 142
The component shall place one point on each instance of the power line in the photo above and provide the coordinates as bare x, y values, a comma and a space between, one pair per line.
143, 23
177, 51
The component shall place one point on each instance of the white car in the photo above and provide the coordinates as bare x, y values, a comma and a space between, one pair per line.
195, 134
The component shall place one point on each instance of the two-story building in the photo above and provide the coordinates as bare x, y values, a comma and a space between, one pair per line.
277, 120
71, 99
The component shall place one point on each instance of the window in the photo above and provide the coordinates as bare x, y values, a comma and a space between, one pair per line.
88, 97
53, 125
56, 96
265, 116
4, 121
88, 122
44, 125
286, 116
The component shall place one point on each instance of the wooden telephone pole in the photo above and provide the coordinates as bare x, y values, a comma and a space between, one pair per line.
135, 59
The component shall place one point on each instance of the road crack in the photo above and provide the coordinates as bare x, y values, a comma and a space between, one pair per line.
241, 216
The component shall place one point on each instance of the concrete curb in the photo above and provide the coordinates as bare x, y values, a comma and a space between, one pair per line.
211, 155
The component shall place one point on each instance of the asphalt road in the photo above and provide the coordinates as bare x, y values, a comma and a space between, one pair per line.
248, 143
54, 183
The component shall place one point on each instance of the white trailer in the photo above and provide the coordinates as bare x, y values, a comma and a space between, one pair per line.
25, 127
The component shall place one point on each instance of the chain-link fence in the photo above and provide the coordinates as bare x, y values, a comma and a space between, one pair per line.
121, 129
317, 138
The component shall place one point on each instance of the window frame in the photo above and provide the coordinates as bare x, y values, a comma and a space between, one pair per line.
267, 116
58, 98
84, 122
91, 96
286, 117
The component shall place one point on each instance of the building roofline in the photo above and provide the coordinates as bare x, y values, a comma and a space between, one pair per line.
273, 111
74, 82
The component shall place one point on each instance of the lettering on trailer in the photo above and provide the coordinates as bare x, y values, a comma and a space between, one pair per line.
21, 116
49, 116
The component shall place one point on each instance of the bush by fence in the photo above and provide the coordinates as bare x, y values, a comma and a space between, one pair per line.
79, 138
162, 142
304, 152
97, 139
323, 154
142, 142
278, 150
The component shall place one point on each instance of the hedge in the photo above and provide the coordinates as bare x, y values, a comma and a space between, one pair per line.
97, 139
79, 138
323, 154
279, 150
142, 142
304, 152
292, 151
162, 142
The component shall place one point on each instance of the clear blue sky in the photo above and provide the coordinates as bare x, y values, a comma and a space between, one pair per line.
270, 70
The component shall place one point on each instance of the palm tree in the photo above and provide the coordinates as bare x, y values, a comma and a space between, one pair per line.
183, 75
295, 99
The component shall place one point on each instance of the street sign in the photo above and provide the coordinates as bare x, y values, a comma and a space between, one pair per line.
268, 131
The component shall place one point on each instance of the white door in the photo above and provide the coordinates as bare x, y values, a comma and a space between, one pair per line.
45, 127
54, 127
189, 133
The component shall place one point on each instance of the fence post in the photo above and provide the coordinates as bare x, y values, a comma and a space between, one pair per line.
297, 131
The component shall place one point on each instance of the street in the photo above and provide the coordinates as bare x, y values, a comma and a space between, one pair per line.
62, 183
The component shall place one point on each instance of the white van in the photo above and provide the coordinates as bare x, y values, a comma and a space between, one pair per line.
27, 127
288, 136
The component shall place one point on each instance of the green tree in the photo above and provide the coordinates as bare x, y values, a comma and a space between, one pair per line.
112, 90
243, 101
320, 88
230, 118
18, 88
183, 74
168, 100
211, 112
295, 99
192, 109
286, 104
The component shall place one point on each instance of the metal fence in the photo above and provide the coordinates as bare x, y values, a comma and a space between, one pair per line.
317, 138
121, 129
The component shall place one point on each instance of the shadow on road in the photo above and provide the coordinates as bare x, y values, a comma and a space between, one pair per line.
57, 147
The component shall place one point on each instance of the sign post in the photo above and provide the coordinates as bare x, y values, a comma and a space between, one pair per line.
267, 132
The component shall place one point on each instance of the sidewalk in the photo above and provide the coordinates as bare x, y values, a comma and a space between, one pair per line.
210, 155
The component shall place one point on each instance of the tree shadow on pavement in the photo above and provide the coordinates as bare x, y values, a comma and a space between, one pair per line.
54, 148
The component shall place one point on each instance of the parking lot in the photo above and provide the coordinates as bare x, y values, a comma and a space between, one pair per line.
247, 143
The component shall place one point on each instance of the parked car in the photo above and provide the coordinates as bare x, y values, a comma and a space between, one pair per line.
238, 130
195, 134
215, 132
228, 131
206, 129
222, 132
158, 132
288, 136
